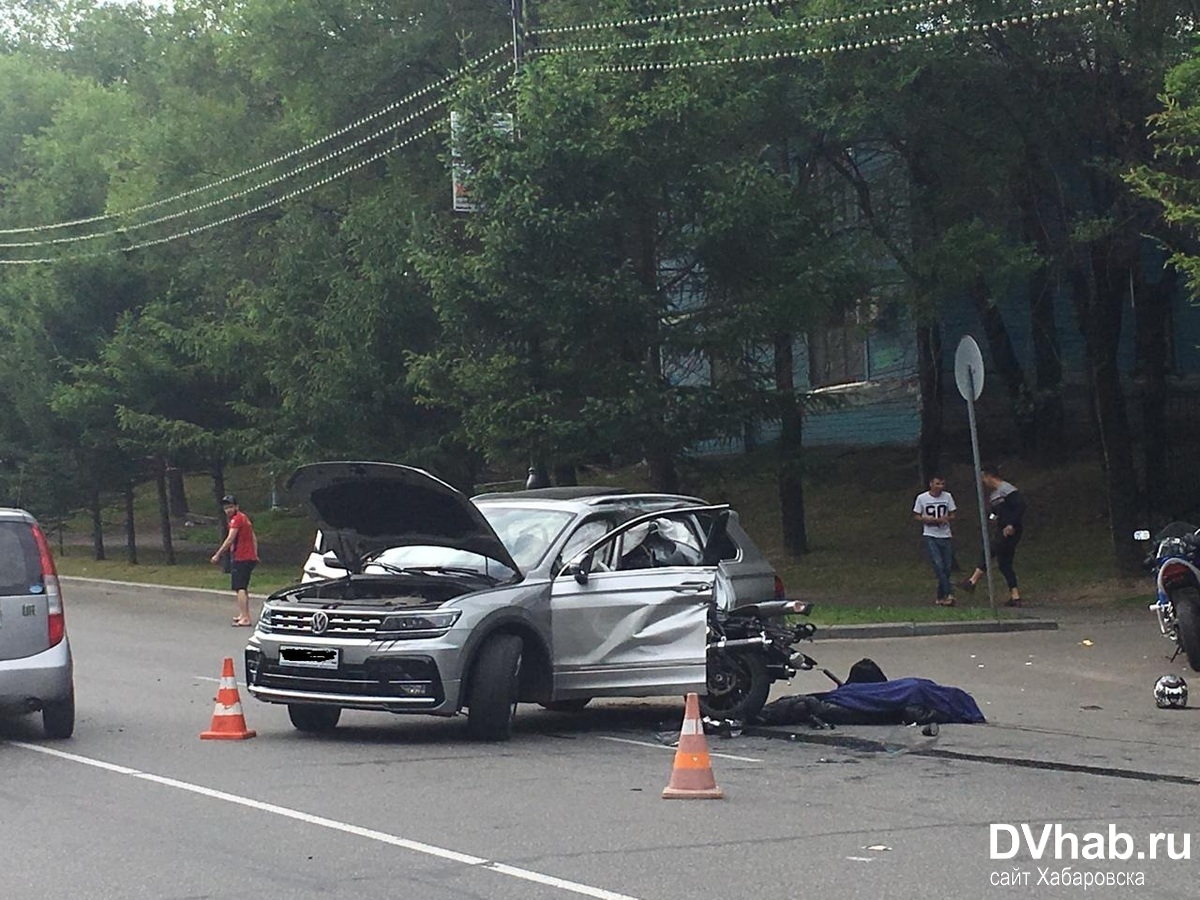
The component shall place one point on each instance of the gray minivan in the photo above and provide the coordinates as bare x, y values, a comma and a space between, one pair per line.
36, 669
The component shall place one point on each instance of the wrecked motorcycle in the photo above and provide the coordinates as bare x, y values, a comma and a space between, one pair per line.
1175, 562
749, 648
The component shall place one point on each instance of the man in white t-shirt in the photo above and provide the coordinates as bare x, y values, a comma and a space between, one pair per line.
935, 509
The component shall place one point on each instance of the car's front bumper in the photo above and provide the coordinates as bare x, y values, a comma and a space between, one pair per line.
26, 684
389, 681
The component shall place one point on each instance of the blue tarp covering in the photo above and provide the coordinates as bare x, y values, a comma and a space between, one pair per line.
886, 697
901, 700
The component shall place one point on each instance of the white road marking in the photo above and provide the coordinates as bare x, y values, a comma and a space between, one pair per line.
602, 737
334, 825
861, 858
618, 740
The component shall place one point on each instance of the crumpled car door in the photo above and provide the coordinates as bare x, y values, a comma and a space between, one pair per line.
638, 632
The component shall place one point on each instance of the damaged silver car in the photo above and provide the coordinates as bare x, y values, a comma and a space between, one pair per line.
445, 603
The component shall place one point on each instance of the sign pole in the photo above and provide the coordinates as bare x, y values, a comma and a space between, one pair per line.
968, 375
983, 519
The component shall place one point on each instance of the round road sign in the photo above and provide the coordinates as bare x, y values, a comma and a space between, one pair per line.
968, 368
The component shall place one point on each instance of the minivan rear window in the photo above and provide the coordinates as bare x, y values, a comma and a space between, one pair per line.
20, 565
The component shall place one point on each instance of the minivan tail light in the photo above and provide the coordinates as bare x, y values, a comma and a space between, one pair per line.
780, 590
56, 621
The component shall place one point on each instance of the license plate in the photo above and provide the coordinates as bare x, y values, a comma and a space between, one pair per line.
309, 657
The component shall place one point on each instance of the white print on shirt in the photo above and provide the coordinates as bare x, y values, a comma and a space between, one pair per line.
935, 507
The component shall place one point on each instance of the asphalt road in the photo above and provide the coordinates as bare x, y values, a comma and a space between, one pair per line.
137, 806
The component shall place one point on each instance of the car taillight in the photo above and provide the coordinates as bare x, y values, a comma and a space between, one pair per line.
57, 623
780, 590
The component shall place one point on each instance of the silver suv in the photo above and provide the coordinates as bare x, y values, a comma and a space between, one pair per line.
553, 596
36, 670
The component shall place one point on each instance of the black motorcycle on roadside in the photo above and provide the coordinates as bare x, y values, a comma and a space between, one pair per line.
1175, 562
749, 648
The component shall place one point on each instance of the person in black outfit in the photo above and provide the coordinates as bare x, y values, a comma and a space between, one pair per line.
1008, 512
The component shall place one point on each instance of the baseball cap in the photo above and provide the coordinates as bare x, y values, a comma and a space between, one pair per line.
229, 500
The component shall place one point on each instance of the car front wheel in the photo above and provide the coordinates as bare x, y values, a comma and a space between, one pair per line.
492, 701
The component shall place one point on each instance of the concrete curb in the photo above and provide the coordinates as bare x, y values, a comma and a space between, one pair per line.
928, 629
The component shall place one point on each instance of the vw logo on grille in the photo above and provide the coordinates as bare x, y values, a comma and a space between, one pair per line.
320, 622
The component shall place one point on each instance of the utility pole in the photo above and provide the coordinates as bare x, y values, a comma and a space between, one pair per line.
518, 27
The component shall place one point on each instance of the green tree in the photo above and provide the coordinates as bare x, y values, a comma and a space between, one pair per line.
575, 319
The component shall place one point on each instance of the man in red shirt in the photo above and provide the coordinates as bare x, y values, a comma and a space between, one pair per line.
243, 556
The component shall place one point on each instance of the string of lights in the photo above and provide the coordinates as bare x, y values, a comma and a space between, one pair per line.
756, 31
681, 15
865, 44
236, 195
253, 170
262, 207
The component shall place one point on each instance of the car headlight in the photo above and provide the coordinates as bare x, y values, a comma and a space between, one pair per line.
419, 624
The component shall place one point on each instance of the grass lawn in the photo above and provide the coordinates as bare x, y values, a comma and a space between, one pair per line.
866, 562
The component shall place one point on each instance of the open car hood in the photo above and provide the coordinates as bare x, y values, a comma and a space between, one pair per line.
365, 507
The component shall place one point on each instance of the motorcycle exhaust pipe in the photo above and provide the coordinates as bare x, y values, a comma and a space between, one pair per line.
725, 643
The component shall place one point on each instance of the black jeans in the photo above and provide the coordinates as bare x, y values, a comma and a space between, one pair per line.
1004, 548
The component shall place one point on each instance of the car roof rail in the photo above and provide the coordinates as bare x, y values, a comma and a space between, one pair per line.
562, 492
634, 499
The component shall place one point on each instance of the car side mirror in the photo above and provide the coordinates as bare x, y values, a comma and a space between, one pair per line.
579, 568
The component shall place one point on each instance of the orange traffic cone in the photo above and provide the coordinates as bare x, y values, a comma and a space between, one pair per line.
692, 775
228, 723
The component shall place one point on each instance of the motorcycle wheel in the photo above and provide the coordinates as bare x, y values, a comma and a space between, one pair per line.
738, 684
1187, 624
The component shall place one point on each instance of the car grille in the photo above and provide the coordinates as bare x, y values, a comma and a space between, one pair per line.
374, 678
341, 624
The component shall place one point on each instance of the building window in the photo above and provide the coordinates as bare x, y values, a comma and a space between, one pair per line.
837, 355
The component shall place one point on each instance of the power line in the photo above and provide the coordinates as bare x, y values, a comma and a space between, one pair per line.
283, 198
415, 95
1009, 21
125, 229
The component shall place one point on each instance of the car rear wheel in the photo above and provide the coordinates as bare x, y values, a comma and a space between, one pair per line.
58, 718
492, 702
314, 719
575, 704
